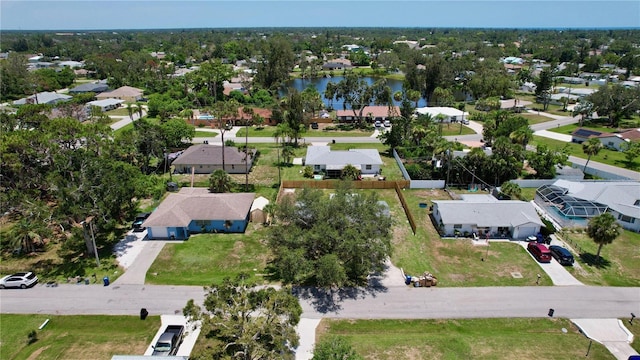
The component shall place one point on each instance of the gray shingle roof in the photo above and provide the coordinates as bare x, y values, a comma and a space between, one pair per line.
508, 213
322, 155
44, 98
204, 154
96, 88
179, 209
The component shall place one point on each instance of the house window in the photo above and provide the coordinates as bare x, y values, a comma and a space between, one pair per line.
368, 167
457, 226
201, 223
625, 218
316, 167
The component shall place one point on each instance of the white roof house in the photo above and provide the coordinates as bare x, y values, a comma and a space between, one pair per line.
584, 199
485, 216
323, 159
451, 114
43, 98
106, 104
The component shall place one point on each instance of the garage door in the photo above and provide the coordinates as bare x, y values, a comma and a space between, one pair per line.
159, 233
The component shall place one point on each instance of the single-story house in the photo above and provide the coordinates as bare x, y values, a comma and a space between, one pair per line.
196, 210
514, 105
258, 214
323, 159
205, 159
451, 114
485, 215
89, 87
572, 203
71, 64
369, 113
612, 141
331, 65
126, 93
50, 98
106, 104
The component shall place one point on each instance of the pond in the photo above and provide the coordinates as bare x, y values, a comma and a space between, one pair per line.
321, 84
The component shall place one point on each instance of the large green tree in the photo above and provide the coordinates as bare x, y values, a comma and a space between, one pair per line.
603, 229
243, 322
276, 62
616, 102
330, 241
356, 93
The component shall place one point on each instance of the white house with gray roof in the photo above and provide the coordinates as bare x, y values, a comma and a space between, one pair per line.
50, 98
323, 159
485, 215
572, 203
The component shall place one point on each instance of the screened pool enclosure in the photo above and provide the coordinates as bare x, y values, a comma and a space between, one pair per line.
568, 207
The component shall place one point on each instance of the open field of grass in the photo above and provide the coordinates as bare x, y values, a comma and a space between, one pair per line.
619, 264
463, 339
75, 337
457, 262
605, 156
205, 259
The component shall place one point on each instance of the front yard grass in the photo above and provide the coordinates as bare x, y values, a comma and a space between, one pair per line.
605, 156
457, 262
535, 118
205, 134
269, 131
206, 259
619, 264
75, 337
519, 338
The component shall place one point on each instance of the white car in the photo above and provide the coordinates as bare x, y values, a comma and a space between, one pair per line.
387, 123
378, 124
21, 280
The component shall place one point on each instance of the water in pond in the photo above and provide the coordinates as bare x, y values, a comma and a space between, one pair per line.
321, 84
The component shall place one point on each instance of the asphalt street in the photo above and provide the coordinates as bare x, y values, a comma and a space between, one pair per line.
392, 302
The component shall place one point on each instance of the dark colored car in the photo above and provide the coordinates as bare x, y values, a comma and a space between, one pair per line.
561, 254
314, 125
540, 252
137, 223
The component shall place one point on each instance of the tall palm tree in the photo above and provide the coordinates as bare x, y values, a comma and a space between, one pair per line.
521, 136
591, 147
248, 111
188, 114
603, 229
130, 110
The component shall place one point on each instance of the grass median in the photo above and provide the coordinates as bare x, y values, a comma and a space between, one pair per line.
74, 337
463, 339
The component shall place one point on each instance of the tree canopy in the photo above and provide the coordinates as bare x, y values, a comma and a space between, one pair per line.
243, 322
330, 241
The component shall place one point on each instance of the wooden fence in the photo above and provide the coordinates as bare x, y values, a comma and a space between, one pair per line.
407, 212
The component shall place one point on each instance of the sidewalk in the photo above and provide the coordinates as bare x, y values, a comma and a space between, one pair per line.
611, 333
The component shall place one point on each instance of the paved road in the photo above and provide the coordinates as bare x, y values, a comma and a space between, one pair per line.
397, 302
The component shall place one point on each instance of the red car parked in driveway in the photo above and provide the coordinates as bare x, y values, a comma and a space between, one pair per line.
540, 252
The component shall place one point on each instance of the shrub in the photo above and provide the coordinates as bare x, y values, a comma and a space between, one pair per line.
308, 172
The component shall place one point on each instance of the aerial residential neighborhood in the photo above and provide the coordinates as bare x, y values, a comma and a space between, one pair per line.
319, 192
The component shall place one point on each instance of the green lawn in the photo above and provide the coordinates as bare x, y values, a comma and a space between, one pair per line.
205, 134
605, 156
121, 111
457, 262
269, 131
597, 125
463, 339
454, 129
620, 263
535, 118
75, 337
205, 259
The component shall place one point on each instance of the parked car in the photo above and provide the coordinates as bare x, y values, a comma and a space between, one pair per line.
137, 223
561, 254
21, 280
169, 341
387, 123
314, 125
378, 123
540, 252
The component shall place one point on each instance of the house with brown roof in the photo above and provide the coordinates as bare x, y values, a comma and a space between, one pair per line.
205, 159
126, 93
369, 113
243, 117
196, 210
614, 141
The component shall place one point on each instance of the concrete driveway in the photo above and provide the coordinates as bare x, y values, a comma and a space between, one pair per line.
558, 273
612, 333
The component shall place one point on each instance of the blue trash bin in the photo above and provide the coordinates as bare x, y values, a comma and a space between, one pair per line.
105, 280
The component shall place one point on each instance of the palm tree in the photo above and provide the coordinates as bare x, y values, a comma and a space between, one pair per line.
219, 182
288, 153
139, 109
249, 112
521, 136
188, 114
130, 110
591, 147
511, 189
603, 229
461, 108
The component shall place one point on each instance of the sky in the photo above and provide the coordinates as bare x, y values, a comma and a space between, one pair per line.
175, 14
